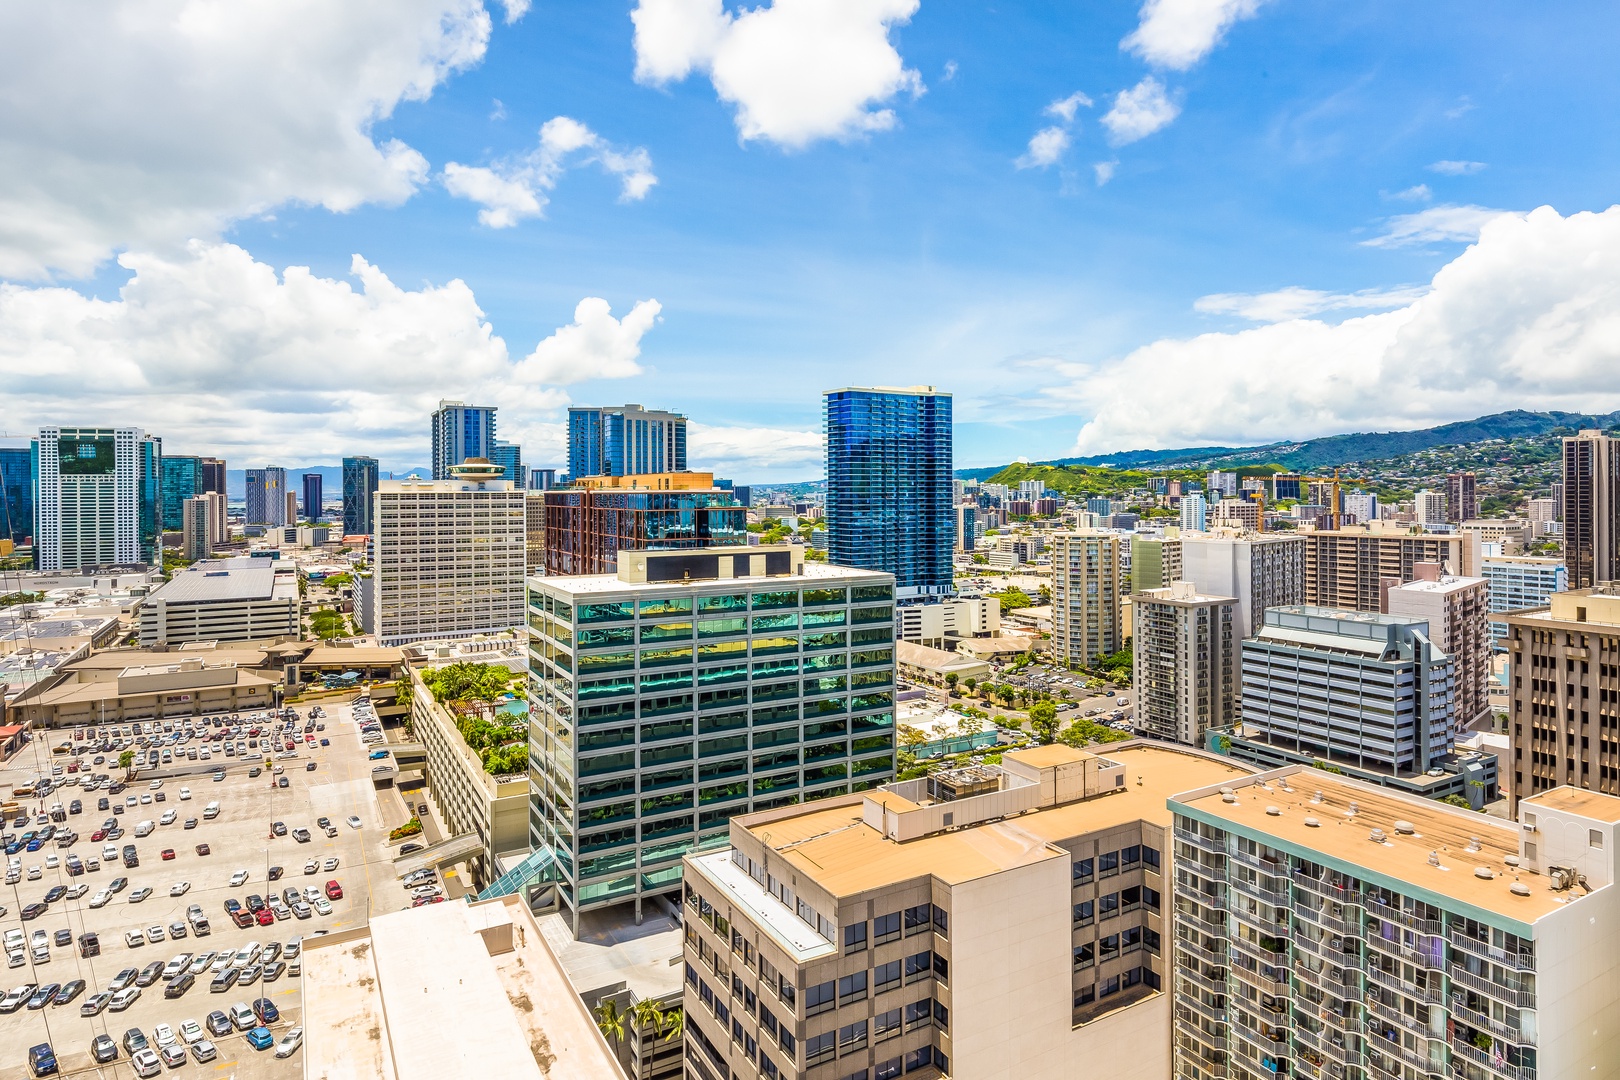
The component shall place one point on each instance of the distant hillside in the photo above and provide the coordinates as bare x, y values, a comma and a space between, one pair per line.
1315, 454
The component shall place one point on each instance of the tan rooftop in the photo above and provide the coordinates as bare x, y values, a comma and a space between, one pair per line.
830, 843
1444, 830
1587, 803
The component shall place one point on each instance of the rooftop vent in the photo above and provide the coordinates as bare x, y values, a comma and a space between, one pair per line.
1484, 872
1473, 844
1434, 858
1511, 860
1312, 823
1229, 797
1272, 811
1519, 888
1317, 798
1354, 809
1227, 791
1377, 836
1405, 828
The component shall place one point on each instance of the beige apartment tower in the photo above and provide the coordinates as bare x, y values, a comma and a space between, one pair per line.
1328, 928
1085, 597
449, 558
1000, 923
1457, 610
1564, 701
1345, 568
1185, 657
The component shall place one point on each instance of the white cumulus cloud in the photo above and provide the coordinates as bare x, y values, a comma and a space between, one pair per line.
219, 353
512, 190
1297, 303
1528, 317
1046, 146
740, 449
1065, 108
1104, 171
1457, 168
1437, 224
1139, 112
1177, 34
795, 71
140, 124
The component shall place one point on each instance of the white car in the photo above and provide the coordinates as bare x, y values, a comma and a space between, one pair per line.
154, 785
330, 864
312, 893
180, 888
239, 878
164, 1035
290, 1042
156, 935
52, 862
312, 866
353, 822
78, 890
323, 906
191, 1031
100, 899
185, 793
134, 938
200, 962
140, 894
168, 817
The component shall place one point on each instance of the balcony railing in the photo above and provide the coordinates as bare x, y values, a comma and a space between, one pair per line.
1196, 922
1274, 867
1197, 978
1348, 923
1390, 913
1429, 993
1274, 897
1203, 843
1485, 1058
1499, 1029
1518, 961
1344, 894
1276, 985
1523, 999
1416, 957
1212, 957
1196, 1004
1209, 900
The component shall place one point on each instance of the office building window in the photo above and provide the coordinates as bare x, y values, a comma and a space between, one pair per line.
855, 938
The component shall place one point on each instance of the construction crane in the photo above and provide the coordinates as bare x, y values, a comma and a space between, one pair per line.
1333, 516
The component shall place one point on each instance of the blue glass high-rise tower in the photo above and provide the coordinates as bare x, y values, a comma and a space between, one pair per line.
889, 485
461, 431
625, 440
359, 485
182, 479
16, 491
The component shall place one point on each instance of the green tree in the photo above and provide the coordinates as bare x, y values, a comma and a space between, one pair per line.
1083, 733
980, 560
1455, 800
970, 685
125, 758
674, 1023
1043, 722
610, 1021
951, 679
1013, 599
648, 1014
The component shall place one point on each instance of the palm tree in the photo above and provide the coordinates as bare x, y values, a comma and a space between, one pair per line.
610, 1021
675, 1021
648, 1014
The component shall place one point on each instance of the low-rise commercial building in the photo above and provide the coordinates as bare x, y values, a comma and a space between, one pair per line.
126, 685
998, 922
1325, 927
446, 990
921, 664
240, 599
940, 624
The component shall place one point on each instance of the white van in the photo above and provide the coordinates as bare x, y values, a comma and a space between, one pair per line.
211, 811
144, 829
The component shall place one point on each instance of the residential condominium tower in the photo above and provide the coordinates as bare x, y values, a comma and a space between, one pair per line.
1462, 500
98, 498
448, 556
1591, 508
1347, 568
16, 490
587, 526
1184, 652
201, 516
267, 496
691, 686
1456, 609
1327, 927
1518, 582
509, 456
625, 440
1564, 700
1261, 570
889, 485
359, 495
996, 922
1085, 598
461, 431
312, 497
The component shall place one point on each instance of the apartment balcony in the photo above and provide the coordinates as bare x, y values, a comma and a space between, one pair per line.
1193, 1004
1349, 923
1497, 1029
1212, 957
1429, 993
1344, 894
1338, 981
1260, 954
1395, 1016
1270, 1060
1195, 922
1210, 1060
1391, 1052
1518, 961
1201, 842
1195, 977
1415, 957
1198, 896
1486, 1059
1520, 999
1276, 898
1329, 1044
1276, 985
1279, 928
1326, 950
1381, 910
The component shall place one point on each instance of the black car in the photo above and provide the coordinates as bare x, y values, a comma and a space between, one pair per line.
275, 873
69, 991
255, 903
64, 936
56, 893
232, 905
76, 807
179, 984
34, 911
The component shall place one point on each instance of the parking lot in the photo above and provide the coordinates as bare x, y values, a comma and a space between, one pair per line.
239, 839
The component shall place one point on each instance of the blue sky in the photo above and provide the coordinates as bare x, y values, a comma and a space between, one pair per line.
1352, 151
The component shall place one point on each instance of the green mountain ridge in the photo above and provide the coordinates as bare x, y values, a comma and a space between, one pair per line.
1304, 456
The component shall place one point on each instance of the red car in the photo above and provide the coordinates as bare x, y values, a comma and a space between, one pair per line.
98, 836
334, 891
265, 917
168, 853
291, 745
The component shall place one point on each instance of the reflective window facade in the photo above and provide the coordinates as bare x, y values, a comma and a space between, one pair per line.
586, 530
359, 485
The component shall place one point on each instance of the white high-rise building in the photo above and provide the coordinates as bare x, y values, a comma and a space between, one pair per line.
201, 519
1262, 570
1456, 610
1518, 582
1430, 507
1223, 483
1361, 505
98, 500
1184, 651
449, 555
1193, 508
1032, 489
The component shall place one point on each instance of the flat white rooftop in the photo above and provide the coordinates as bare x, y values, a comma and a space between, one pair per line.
789, 931
813, 574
